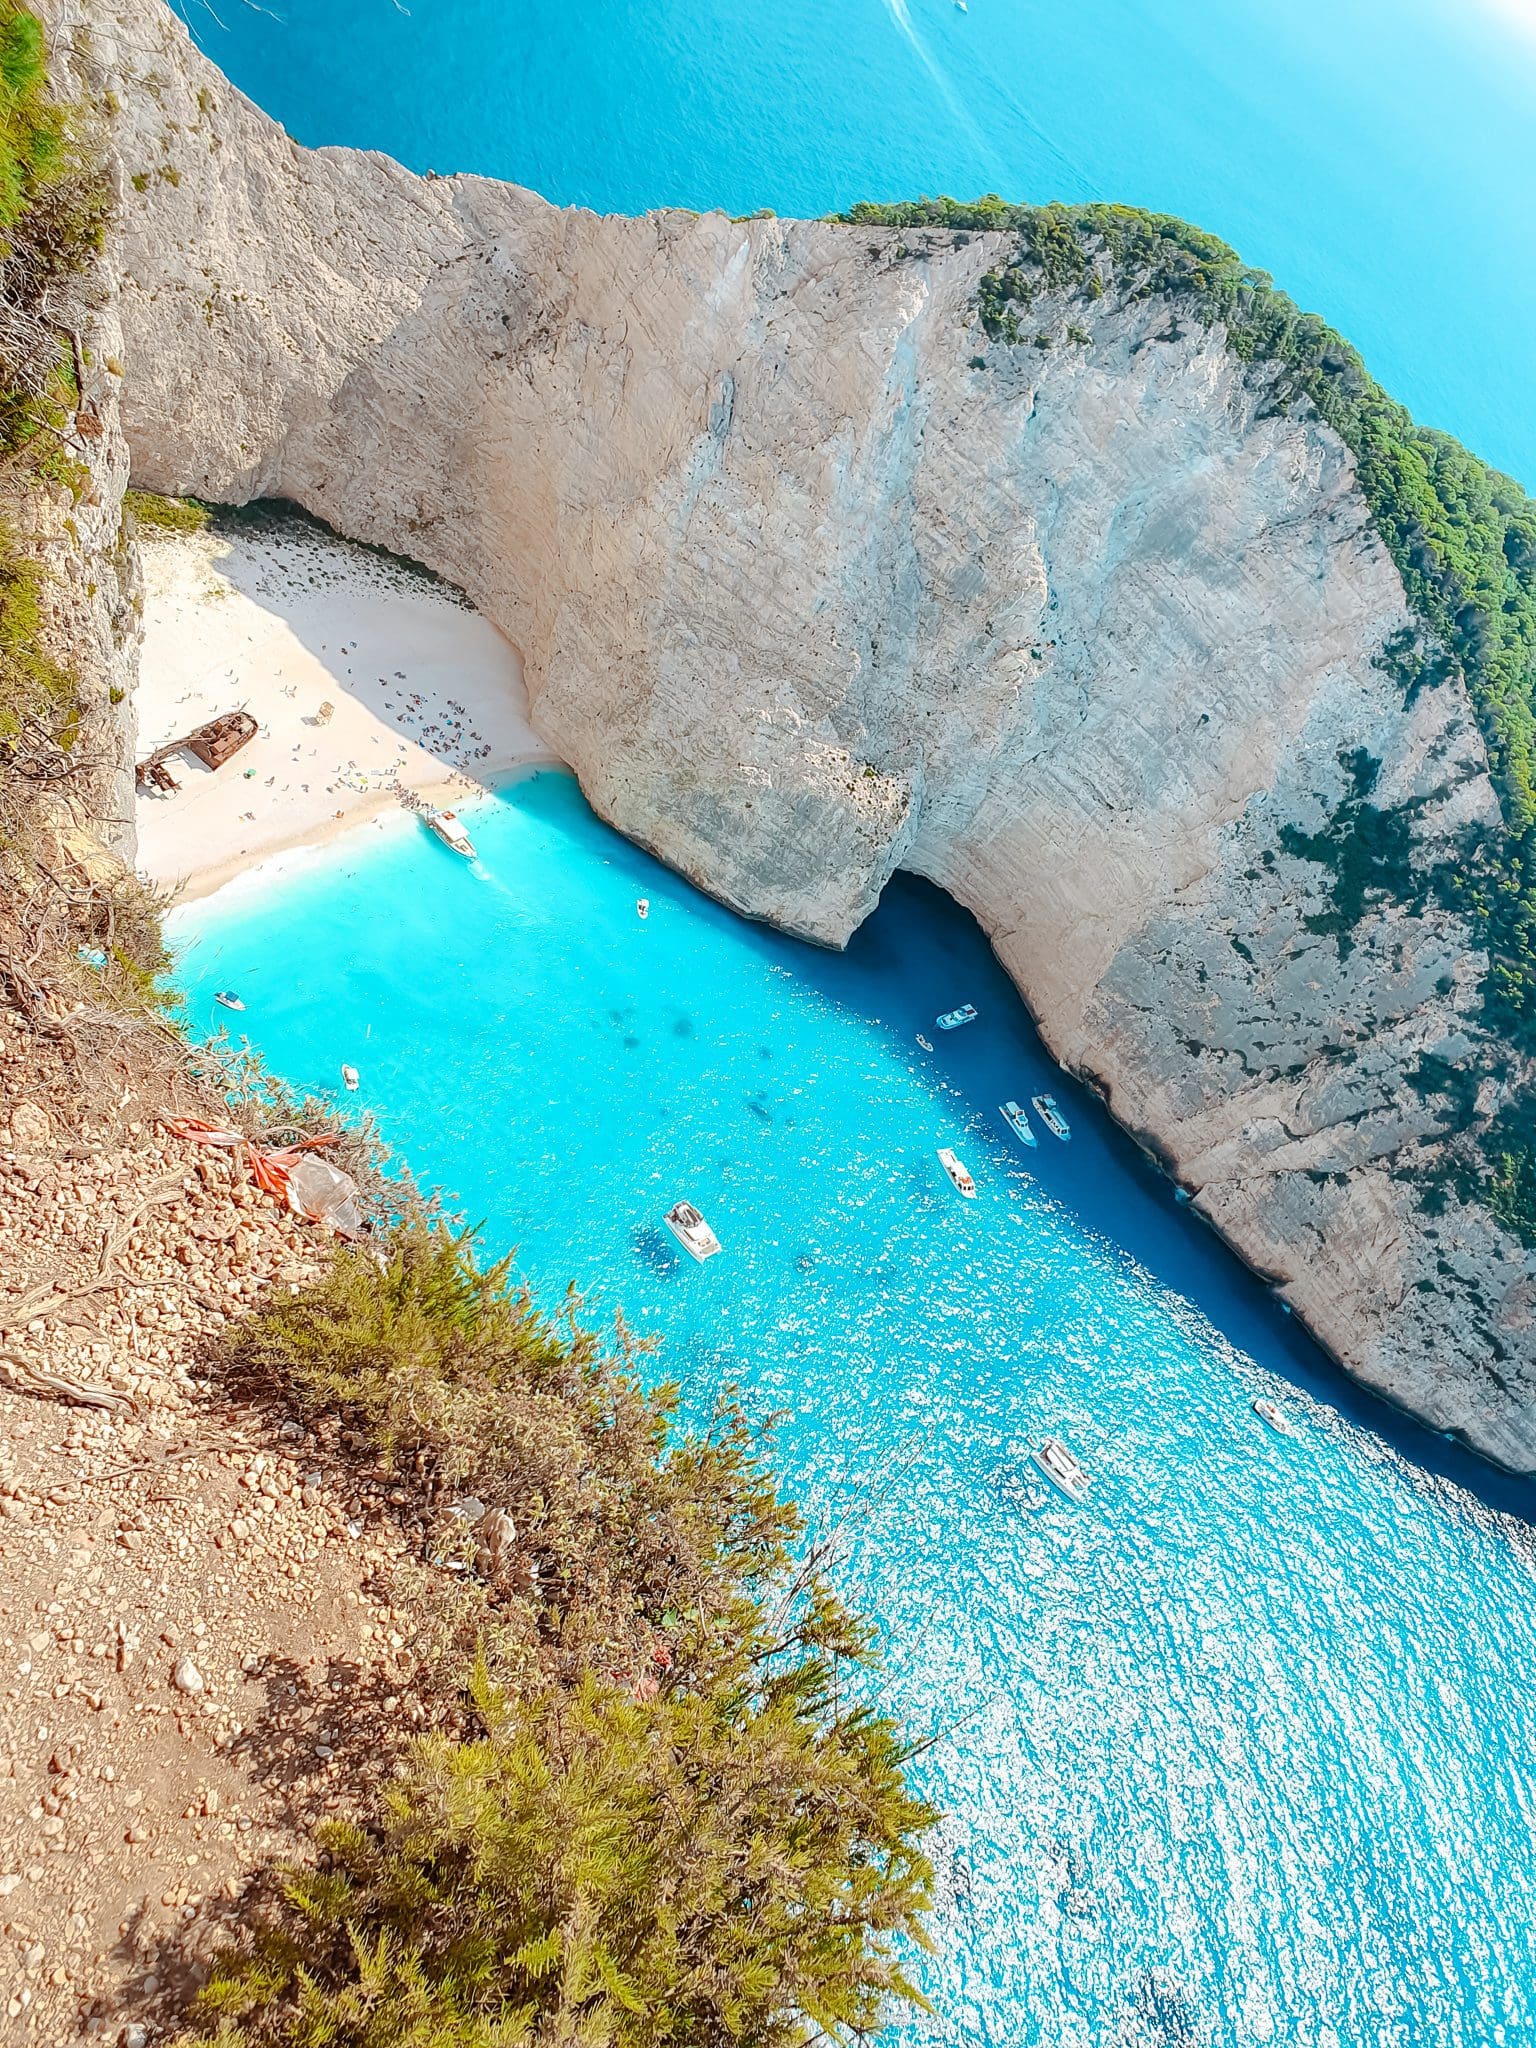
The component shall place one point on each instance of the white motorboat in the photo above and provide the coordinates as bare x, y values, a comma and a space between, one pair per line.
349, 1076
643, 907
447, 827
1062, 1469
953, 1019
229, 999
1018, 1122
958, 1172
925, 1043
692, 1232
1049, 1112
1271, 1412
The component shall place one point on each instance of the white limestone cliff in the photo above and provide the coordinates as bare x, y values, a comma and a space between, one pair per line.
805, 596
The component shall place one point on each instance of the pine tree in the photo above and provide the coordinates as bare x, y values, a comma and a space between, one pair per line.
710, 1841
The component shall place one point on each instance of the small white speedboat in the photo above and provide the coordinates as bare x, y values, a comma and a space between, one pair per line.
349, 1076
1018, 1122
958, 1172
953, 1019
1062, 1469
1049, 1112
692, 1232
1272, 1413
447, 827
925, 1043
229, 999
643, 907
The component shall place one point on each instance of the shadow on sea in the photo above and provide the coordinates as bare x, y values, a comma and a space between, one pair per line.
923, 943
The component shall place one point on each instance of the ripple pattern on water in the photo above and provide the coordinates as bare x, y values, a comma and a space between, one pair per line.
1238, 1753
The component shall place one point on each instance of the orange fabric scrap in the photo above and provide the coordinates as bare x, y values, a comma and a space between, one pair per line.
269, 1165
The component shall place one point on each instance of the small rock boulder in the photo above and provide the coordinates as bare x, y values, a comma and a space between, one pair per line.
31, 1128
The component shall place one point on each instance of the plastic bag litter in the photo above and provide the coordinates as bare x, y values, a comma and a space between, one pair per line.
325, 1194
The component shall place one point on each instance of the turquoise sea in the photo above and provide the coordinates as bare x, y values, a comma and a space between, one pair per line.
1377, 156
1240, 1752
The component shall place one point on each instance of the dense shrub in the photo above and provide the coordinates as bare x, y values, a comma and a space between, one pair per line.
52, 215
725, 1863
32, 129
167, 515
681, 1821
33, 687
456, 1382
1511, 1148
54, 206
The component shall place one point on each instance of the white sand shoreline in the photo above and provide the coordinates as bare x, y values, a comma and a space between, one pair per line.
280, 619
277, 858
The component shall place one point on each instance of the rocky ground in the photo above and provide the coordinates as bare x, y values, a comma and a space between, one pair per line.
198, 1646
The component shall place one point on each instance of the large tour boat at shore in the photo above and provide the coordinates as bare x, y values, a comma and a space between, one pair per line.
446, 826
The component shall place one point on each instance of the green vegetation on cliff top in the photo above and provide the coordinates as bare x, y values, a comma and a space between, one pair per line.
52, 216
1462, 535
32, 128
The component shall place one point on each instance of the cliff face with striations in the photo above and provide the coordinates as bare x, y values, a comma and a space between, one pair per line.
1090, 635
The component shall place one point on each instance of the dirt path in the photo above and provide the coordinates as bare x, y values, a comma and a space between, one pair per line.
198, 1649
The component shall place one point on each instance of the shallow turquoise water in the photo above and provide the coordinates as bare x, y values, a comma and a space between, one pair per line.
1378, 156
1239, 1753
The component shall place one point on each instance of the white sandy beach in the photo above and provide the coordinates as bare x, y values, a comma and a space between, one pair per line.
279, 619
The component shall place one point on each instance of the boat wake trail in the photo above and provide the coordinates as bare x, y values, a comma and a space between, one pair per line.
901, 17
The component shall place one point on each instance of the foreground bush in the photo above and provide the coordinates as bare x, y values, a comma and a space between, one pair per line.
455, 1382
713, 1866
681, 1822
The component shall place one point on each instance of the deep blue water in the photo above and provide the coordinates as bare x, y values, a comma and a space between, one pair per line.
1378, 156
1241, 1752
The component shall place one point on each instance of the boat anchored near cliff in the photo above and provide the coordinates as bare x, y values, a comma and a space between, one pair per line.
691, 1231
958, 1172
1017, 1120
1048, 1109
953, 1019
